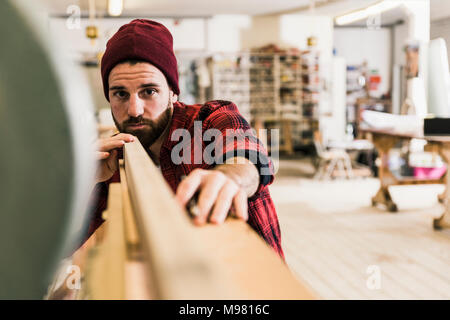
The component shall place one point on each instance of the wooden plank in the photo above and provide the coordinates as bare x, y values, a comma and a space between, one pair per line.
212, 262
105, 273
137, 282
137, 270
131, 232
407, 135
254, 267
444, 220
179, 269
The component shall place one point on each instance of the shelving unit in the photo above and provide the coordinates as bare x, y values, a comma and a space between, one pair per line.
290, 86
273, 89
231, 80
356, 89
311, 89
360, 82
264, 83
275, 93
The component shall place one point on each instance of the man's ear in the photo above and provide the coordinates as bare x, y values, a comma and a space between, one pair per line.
173, 96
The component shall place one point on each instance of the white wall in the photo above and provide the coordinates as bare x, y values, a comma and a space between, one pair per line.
295, 30
225, 32
400, 40
218, 33
333, 126
418, 12
261, 31
290, 30
359, 44
188, 34
441, 29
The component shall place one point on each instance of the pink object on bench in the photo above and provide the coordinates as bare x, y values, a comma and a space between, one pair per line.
429, 173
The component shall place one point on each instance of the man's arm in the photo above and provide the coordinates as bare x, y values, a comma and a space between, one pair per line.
243, 172
226, 186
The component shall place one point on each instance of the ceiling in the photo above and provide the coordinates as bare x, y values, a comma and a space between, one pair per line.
439, 8
183, 7
387, 18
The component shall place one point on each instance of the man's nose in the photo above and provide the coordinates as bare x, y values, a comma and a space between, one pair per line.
136, 106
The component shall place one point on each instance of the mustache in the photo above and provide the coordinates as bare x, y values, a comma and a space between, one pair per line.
140, 120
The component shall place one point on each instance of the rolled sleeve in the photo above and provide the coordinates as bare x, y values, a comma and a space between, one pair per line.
238, 139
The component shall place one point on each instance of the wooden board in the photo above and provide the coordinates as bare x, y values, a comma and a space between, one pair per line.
179, 268
256, 270
411, 135
187, 262
106, 269
131, 232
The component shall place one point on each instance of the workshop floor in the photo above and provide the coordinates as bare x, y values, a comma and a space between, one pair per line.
343, 248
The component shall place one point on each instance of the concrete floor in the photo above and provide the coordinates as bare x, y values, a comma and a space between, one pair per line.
344, 248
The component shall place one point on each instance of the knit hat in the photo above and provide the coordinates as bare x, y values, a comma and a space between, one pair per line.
141, 39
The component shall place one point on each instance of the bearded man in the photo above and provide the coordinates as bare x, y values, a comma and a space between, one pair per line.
140, 81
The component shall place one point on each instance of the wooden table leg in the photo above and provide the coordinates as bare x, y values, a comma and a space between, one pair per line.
442, 196
384, 143
444, 220
287, 136
436, 148
384, 197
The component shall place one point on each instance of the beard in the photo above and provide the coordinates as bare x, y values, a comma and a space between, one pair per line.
152, 130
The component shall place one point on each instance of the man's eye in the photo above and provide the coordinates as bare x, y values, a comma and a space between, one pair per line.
121, 94
149, 92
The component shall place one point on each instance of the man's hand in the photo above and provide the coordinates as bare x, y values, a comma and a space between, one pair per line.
226, 187
107, 154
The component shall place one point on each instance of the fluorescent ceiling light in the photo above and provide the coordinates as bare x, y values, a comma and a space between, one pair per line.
115, 7
377, 8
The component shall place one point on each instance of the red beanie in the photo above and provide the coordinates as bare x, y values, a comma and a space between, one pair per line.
141, 39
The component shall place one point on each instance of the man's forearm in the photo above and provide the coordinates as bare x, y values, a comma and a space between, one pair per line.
243, 172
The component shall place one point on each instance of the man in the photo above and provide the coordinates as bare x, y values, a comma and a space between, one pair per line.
140, 80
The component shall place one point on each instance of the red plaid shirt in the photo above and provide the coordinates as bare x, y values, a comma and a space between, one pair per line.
221, 115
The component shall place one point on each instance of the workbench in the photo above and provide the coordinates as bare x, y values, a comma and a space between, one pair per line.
384, 141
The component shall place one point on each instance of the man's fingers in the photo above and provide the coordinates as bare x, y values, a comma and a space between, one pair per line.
114, 142
223, 203
209, 193
102, 155
241, 205
124, 136
218, 194
187, 188
107, 154
112, 162
108, 145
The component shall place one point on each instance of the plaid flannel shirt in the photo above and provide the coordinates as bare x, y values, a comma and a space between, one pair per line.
223, 116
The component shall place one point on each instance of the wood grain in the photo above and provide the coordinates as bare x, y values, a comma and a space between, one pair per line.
106, 270
211, 262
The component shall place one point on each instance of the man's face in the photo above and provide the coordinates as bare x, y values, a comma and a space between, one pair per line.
141, 100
